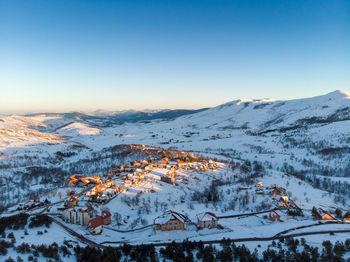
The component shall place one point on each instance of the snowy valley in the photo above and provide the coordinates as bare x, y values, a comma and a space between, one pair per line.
260, 169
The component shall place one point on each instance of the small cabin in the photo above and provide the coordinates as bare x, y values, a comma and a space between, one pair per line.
325, 215
139, 171
274, 216
207, 220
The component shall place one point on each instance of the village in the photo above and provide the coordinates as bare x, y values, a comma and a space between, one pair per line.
99, 190
169, 195
89, 207
160, 196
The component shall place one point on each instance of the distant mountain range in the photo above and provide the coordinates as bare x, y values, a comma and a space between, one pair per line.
311, 133
107, 118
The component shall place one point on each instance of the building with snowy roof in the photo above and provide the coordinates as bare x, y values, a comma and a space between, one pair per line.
171, 221
207, 220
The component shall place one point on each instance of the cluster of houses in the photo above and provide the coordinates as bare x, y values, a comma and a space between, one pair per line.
87, 217
172, 220
280, 196
284, 202
169, 221
94, 182
78, 180
103, 191
322, 214
99, 190
29, 204
134, 173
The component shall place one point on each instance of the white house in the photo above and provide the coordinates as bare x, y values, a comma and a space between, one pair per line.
207, 220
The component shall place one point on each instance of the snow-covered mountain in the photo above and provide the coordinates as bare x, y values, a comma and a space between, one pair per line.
103, 118
305, 133
311, 134
268, 115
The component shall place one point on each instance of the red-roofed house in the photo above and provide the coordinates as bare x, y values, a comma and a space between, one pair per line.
164, 161
274, 216
95, 225
180, 163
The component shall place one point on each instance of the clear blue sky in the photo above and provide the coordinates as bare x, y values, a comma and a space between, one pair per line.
69, 55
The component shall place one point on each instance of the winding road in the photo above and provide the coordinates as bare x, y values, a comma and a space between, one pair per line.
277, 236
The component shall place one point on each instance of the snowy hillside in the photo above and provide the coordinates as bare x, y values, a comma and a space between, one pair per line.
306, 137
78, 129
18, 131
303, 132
300, 148
267, 115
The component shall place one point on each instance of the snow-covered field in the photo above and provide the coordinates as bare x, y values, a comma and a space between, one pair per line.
302, 145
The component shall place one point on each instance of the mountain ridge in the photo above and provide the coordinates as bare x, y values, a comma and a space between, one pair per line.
236, 126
